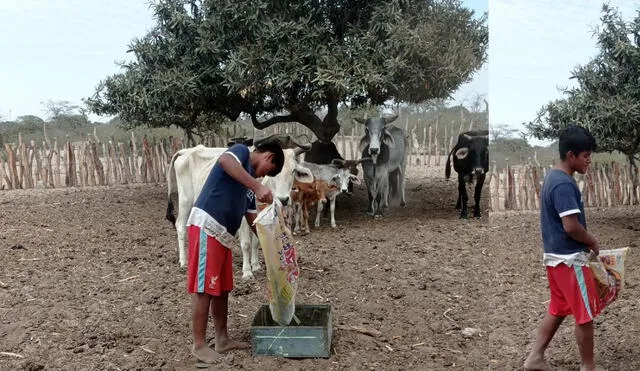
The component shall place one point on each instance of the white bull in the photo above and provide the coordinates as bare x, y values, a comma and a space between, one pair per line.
191, 167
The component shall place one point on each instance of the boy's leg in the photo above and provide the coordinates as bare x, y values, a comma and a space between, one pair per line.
584, 336
220, 311
558, 310
200, 300
548, 328
219, 286
199, 317
586, 308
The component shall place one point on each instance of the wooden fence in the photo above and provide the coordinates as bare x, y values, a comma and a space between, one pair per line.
97, 161
518, 187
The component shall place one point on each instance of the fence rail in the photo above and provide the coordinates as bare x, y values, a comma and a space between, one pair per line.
107, 162
604, 185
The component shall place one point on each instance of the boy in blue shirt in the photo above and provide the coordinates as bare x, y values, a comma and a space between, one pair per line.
229, 193
566, 250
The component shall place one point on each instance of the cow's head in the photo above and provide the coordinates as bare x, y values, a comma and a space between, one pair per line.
290, 170
341, 179
476, 151
352, 165
322, 188
376, 133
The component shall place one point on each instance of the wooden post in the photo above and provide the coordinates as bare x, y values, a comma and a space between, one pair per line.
495, 195
56, 170
429, 148
437, 151
147, 157
70, 168
424, 144
3, 174
98, 164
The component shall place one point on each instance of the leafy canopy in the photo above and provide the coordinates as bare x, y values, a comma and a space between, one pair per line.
607, 98
207, 60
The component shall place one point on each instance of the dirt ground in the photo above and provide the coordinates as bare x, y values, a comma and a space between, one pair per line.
520, 293
97, 286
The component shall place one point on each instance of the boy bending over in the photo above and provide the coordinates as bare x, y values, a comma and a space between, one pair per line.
228, 194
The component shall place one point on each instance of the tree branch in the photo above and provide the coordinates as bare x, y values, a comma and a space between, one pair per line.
274, 120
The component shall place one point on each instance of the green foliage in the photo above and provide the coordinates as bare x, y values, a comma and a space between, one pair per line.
607, 98
207, 61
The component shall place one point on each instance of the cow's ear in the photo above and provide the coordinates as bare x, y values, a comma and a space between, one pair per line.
387, 139
303, 175
462, 153
364, 142
354, 179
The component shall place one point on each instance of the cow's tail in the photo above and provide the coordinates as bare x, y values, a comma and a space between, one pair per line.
171, 184
447, 167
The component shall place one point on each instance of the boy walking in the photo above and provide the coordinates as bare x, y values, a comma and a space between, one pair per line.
229, 193
566, 250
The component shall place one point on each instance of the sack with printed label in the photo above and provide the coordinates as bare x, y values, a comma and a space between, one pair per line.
280, 260
608, 272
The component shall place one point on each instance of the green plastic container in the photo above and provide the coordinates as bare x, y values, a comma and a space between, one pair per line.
309, 339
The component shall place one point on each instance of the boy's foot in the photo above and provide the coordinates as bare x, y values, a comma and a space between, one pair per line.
205, 354
536, 365
228, 345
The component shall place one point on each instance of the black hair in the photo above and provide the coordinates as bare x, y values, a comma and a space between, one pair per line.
576, 139
278, 155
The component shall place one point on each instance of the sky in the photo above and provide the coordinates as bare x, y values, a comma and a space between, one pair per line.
533, 48
60, 50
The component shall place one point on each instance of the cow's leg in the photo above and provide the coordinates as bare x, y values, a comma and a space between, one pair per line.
318, 212
476, 195
305, 216
458, 202
246, 240
332, 206
462, 191
296, 217
255, 257
181, 229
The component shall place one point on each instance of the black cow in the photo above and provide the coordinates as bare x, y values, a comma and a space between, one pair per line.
326, 153
471, 159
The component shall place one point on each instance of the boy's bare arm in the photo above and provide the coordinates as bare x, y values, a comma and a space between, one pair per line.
576, 231
237, 172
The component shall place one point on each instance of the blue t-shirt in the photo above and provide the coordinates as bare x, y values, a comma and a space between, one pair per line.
225, 199
560, 196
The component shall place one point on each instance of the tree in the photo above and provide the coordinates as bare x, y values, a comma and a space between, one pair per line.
57, 108
607, 98
283, 61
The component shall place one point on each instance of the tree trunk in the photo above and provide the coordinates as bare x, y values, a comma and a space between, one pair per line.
325, 129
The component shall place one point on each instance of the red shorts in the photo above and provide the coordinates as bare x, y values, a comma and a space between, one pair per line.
209, 267
573, 292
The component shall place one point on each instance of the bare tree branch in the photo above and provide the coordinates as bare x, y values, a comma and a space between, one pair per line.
273, 120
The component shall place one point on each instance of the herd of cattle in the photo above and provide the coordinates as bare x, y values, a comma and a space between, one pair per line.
322, 176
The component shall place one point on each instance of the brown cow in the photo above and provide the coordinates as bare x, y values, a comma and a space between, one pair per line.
304, 196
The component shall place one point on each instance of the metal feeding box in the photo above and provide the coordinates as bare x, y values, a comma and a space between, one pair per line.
311, 338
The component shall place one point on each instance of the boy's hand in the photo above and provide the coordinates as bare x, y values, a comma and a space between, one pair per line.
595, 248
263, 194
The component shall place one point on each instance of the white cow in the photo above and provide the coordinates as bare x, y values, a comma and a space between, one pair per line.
187, 173
332, 175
